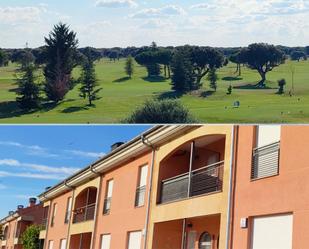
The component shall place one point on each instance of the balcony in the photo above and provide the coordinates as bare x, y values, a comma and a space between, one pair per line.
193, 169
84, 213
85, 205
265, 161
201, 181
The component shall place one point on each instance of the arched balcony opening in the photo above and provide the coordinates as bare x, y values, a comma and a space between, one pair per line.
5, 232
85, 204
195, 168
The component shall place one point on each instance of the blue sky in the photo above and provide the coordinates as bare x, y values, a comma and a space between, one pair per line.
109, 23
34, 157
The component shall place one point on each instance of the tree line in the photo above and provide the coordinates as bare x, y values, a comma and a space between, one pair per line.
185, 65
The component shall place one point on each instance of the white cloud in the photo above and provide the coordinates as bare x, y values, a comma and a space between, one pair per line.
38, 167
116, 3
86, 153
31, 149
11, 15
32, 175
169, 10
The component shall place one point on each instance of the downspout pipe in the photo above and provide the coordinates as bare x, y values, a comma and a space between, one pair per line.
153, 148
96, 212
70, 220
228, 225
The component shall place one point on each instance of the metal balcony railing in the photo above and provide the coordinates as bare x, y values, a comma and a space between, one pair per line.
84, 213
201, 181
44, 224
265, 161
107, 205
140, 196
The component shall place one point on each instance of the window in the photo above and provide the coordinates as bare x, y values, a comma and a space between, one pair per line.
265, 159
54, 214
205, 241
51, 244
272, 232
63, 244
69, 209
135, 240
141, 189
105, 241
108, 198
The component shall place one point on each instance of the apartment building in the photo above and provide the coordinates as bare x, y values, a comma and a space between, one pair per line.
106, 205
271, 188
184, 187
17, 221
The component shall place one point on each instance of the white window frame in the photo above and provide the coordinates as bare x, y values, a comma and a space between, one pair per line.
139, 234
108, 242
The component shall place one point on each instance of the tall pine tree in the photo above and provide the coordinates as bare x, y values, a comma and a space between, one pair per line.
28, 94
181, 66
89, 82
60, 50
129, 67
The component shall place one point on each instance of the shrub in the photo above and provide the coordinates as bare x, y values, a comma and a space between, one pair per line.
30, 238
281, 84
229, 90
161, 112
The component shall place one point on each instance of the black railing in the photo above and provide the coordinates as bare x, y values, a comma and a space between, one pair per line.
201, 181
265, 161
84, 213
140, 196
107, 205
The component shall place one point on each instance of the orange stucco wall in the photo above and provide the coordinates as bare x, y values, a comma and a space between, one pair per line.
59, 230
124, 216
286, 193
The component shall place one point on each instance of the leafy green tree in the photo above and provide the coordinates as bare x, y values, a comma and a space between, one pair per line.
23, 57
307, 50
182, 70
113, 55
238, 59
149, 59
212, 77
164, 57
298, 55
281, 84
30, 238
263, 58
61, 49
161, 112
203, 60
28, 93
129, 67
4, 58
89, 82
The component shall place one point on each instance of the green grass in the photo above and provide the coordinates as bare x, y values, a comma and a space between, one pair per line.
120, 96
